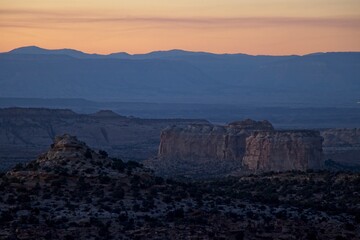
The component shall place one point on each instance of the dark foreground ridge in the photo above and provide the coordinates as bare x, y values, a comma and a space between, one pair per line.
73, 192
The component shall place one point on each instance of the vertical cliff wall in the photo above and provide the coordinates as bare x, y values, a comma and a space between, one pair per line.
283, 150
205, 141
208, 150
205, 148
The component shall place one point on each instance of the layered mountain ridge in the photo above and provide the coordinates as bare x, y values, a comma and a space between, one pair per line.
183, 77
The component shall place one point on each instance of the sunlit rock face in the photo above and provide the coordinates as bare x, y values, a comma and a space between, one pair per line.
208, 150
283, 151
205, 149
205, 141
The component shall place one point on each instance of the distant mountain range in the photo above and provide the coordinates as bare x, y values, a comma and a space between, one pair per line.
319, 79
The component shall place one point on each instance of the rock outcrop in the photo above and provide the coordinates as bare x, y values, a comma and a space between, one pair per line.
68, 148
342, 146
208, 142
283, 151
69, 156
204, 149
200, 150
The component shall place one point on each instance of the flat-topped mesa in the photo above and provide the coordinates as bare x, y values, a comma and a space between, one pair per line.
209, 150
207, 141
283, 151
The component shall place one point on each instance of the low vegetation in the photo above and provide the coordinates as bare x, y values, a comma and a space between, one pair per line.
66, 194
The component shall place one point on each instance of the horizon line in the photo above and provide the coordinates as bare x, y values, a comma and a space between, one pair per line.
177, 49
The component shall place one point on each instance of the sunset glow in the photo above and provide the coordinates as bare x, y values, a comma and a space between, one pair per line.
248, 26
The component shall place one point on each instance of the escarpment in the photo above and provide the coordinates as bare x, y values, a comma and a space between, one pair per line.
211, 150
204, 149
206, 142
283, 151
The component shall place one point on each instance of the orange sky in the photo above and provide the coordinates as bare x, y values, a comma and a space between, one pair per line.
136, 26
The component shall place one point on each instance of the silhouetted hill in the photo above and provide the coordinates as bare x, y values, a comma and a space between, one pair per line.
38, 50
30, 75
321, 79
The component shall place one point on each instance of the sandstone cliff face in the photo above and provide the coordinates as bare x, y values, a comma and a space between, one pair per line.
210, 150
342, 145
199, 141
202, 143
204, 148
283, 150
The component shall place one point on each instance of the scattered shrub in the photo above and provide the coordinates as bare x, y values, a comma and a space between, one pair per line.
88, 154
103, 154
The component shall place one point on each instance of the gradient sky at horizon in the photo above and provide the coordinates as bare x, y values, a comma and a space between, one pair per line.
275, 27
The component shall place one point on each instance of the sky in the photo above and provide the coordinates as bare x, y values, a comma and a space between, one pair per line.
272, 27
